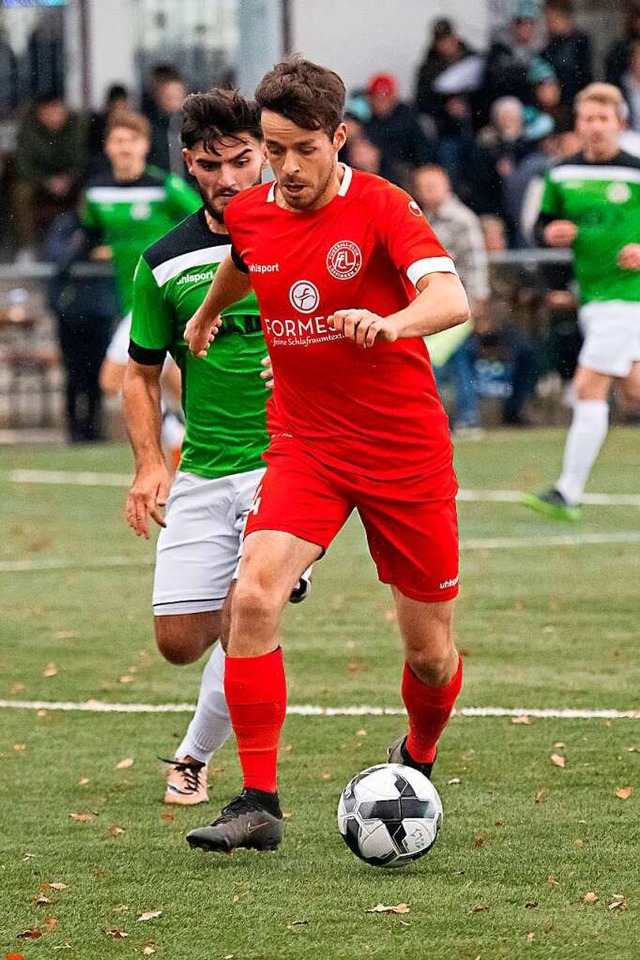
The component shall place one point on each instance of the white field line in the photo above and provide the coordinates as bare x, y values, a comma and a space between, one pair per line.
309, 710
70, 478
466, 546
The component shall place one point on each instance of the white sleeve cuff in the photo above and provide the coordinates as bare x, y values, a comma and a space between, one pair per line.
420, 268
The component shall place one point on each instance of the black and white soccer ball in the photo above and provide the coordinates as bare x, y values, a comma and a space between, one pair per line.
389, 815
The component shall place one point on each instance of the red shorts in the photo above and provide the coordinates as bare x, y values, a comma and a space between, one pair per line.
413, 538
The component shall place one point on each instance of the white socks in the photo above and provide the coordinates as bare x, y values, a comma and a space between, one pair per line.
211, 725
586, 435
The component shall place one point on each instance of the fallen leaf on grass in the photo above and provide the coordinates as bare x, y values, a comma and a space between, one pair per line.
50, 670
361, 733
167, 816
117, 934
19, 747
31, 934
150, 915
623, 793
51, 923
590, 897
541, 796
56, 885
29, 856
42, 713
297, 923
479, 842
125, 764
619, 902
127, 678
287, 815
18, 688
578, 843
326, 776
531, 904
121, 908
81, 817
148, 951
115, 831
382, 908
558, 760
559, 745
83, 781
454, 782
522, 718
551, 880
634, 749
41, 899
531, 937
480, 908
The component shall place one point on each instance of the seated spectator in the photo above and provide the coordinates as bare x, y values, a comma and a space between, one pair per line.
117, 100
394, 128
359, 151
50, 165
619, 57
162, 104
510, 56
568, 50
630, 86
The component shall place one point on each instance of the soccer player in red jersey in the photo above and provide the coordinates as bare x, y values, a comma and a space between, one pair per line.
349, 278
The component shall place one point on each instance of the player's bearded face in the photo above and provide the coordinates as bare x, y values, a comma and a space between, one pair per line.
235, 165
598, 126
304, 161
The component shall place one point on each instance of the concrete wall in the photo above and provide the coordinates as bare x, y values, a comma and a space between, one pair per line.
360, 37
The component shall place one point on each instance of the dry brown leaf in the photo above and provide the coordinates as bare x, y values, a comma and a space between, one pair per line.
382, 908
531, 937
17, 688
19, 747
56, 885
125, 764
480, 908
578, 843
353, 667
558, 760
531, 904
115, 831
42, 713
551, 880
81, 817
559, 745
479, 842
148, 951
623, 793
287, 815
619, 902
50, 670
590, 897
541, 795
41, 898
297, 923
150, 915
121, 908
167, 816
51, 923
83, 781
454, 782
32, 933
118, 934
361, 733
522, 718
326, 776
634, 749
127, 678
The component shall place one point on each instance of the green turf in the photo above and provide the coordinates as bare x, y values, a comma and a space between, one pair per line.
541, 627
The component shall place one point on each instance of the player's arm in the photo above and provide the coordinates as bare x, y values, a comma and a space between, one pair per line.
230, 284
552, 229
150, 332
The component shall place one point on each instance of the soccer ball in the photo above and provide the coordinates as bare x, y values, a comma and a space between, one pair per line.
389, 815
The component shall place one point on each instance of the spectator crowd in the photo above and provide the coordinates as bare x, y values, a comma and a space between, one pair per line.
472, 147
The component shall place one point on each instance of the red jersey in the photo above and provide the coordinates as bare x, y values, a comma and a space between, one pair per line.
374, 412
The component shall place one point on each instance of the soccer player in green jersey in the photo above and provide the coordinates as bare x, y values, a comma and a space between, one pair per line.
591, 203
224, 406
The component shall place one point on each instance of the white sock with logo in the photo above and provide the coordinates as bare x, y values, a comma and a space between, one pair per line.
211, 725
586, 435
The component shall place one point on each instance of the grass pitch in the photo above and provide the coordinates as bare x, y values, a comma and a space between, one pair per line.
535, 860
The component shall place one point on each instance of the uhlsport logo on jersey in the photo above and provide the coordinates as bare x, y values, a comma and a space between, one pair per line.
304, 296
344, 260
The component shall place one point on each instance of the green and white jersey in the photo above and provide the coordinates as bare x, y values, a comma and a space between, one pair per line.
223, 396
128, 216
603, 200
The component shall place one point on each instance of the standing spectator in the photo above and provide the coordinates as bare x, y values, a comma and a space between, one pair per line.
117, 101
510, 57
163, 107
395, 130
568, 50
453, 114
630, 85
619, 56
50, 165
548, 96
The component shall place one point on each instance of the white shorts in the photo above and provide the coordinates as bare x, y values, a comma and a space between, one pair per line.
611, 333
199, 549
118, 349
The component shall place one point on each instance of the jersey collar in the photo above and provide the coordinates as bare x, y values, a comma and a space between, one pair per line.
342, 192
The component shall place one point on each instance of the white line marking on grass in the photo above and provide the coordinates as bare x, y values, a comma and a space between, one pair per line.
309, 710
496, 543
87, 479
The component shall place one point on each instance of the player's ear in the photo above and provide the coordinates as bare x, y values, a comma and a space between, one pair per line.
265, 161
186, 156
340, 137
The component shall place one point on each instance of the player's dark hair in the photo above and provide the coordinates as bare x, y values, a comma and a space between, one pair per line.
305, 93
218, 115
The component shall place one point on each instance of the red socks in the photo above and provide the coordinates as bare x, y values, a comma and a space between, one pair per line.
429, 709
256, 692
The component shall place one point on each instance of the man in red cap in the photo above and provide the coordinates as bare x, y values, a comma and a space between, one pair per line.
394, 128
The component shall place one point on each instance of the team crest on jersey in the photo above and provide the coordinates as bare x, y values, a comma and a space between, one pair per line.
140, 211
344, 260
618, 192
304, 296
414, 208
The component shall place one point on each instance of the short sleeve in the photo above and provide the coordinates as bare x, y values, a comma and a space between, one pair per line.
151, 325
551, 203
409, 239
238, 262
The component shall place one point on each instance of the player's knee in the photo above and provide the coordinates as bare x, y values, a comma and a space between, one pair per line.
434, 667
175, 645
253, 601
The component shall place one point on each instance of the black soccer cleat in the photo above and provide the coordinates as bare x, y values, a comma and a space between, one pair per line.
553, 505
301, 591
398, 753
245, 822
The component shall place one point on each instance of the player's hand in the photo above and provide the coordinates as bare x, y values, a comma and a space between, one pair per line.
200, 333
267, 373
560, 233
363, 327
147, 497
629, 257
